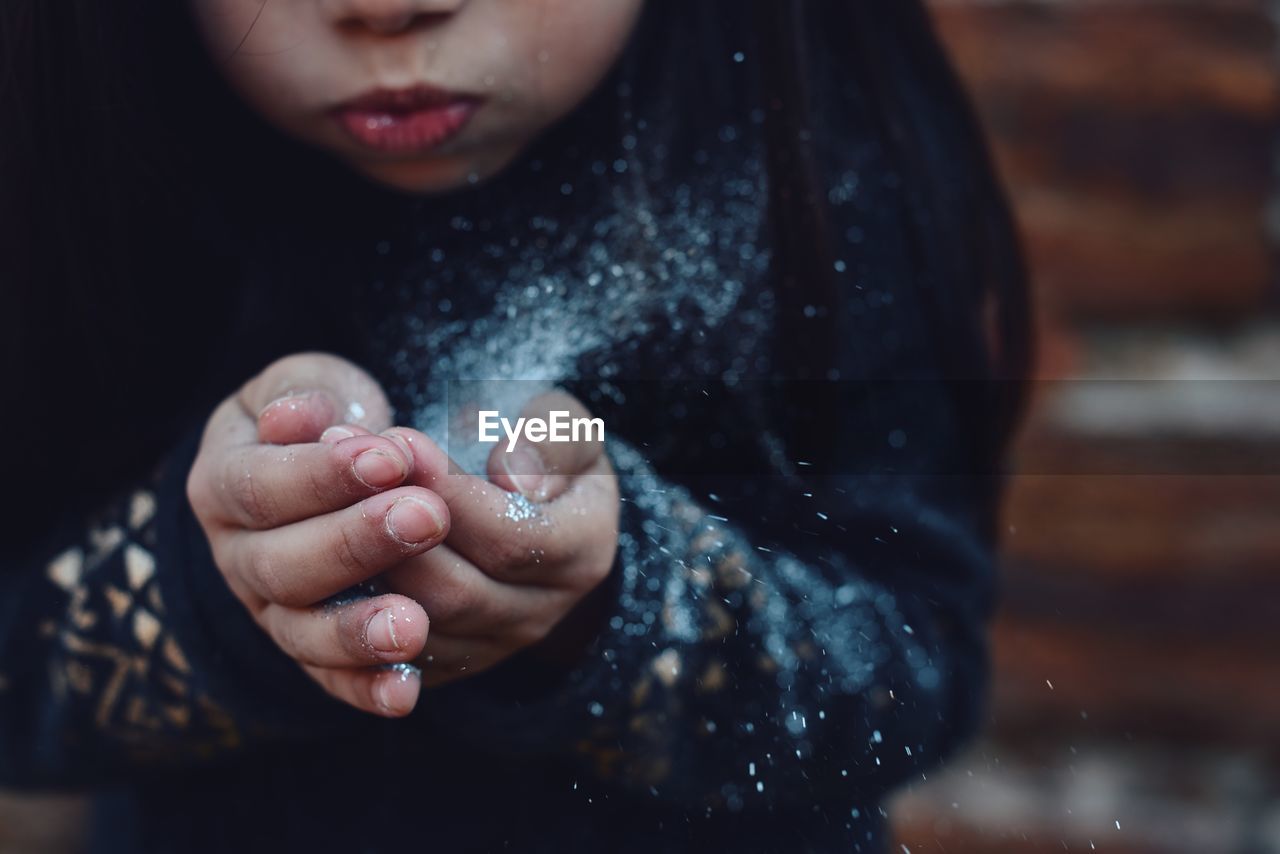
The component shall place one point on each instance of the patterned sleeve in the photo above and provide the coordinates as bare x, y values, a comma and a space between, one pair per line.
735, 675
108, 659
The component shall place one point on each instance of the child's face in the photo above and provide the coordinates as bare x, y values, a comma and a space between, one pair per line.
422, 95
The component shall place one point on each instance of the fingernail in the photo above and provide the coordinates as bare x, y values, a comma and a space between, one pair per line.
525, 469
381, 631
413, 521
389, 693
335, 434
290, 401
377, 469
401, 442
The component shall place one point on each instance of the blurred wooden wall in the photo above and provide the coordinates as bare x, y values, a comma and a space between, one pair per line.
1137, 652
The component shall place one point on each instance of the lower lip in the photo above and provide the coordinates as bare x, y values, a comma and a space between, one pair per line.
412, 131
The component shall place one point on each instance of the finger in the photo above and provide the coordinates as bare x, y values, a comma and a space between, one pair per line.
333, 389
569, 544
379, 630
265, 486
335, 434
298, 417
300, 564
391, 693
542, 470
228, 427
491, 527
461, 599
507, 536
339, 432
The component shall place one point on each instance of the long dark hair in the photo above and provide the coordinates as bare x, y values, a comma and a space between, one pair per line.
118, 303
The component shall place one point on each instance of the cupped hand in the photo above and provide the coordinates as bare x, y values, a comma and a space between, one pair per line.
294, 523
524, 549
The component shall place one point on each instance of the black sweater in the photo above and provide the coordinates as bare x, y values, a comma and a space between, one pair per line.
782, 644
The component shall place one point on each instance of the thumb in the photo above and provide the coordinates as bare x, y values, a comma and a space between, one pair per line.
297, 397
543, 470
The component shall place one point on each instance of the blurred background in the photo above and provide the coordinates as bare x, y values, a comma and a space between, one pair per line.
1137, 651
1136, 704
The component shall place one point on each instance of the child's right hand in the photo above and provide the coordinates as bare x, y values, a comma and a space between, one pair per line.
291, 526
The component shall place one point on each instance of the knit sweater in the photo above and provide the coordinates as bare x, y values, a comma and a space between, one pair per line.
778, 646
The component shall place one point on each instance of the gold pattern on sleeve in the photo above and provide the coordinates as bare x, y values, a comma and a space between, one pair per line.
118, 599
667, 667
139, 566
640, 747
65, 569
115, 647
713, 678
146, 628
720, 623
142, 507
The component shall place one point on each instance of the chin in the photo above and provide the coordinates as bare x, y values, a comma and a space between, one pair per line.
423, 178
433, 175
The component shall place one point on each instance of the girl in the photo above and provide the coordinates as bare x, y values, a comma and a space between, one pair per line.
764, 245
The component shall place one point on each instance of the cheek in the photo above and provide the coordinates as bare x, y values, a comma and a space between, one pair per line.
576, 44
250, 43
228, 26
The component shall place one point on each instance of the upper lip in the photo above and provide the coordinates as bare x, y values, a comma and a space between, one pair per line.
403, 100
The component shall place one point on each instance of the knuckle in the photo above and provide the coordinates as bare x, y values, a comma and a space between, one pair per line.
248, 495
318, 484
451, 599
351, 552
513, 548
267, 576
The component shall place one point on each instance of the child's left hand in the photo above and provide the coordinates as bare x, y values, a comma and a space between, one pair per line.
524, 548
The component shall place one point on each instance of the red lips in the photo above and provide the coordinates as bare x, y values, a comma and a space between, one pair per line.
415, 119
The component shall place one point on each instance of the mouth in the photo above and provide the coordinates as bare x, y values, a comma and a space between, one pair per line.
410, 120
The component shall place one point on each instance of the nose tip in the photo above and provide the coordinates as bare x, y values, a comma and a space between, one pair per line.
389, 17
